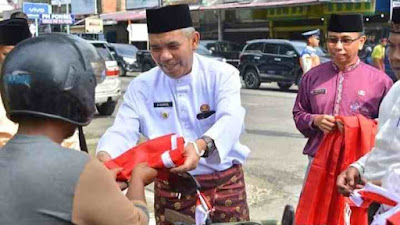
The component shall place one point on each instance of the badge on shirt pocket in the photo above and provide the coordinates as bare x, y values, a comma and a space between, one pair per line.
205, 112
321, 91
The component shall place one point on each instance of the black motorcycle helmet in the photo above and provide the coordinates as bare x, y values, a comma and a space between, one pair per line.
52, 76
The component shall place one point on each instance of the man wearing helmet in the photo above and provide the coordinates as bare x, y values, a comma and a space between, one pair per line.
42, 182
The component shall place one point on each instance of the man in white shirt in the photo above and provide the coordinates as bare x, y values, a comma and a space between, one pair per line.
386, 152
195, 97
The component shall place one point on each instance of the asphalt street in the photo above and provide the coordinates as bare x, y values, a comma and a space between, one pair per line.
275, 168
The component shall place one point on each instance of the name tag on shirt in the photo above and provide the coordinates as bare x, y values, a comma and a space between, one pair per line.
162, 104
319, 91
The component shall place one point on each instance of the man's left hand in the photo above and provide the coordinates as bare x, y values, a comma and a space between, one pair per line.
191, 161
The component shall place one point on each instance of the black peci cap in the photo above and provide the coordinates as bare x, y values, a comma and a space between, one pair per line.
13, 31
346, 23
395, 26
168, 18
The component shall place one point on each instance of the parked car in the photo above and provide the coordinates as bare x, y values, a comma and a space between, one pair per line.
125, 55
146, 62
109, 91
273, 60
224, 49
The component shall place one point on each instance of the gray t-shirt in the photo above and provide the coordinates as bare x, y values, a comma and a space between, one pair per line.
37, 181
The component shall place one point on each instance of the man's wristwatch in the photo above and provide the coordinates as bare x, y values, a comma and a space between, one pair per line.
210, 146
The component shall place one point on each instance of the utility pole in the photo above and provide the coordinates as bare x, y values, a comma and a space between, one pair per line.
67, 8
20, 3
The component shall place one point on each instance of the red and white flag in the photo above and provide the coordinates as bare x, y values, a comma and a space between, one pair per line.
203, 209
372, 193
160, 153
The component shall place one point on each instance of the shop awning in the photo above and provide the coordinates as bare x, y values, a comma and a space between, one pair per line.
257, 4
140, 14
360, 6
134, 15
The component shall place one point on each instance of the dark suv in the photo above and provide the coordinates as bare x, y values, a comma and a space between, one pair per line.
225, 49
272, 60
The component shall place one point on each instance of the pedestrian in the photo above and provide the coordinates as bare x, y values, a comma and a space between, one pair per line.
378, 55
309, 58
13, 31
19, 15
41, 181
344, 86
195, 97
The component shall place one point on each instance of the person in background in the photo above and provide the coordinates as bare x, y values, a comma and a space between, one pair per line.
344, 86
378, 55
309, 58
19, 15
12, 32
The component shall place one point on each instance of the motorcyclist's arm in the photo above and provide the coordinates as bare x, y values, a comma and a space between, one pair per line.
98, 200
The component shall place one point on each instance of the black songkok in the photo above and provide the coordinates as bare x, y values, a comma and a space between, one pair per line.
168, 18
13, 31
346, 23
395, 24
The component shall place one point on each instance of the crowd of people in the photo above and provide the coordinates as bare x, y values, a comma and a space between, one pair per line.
47, 100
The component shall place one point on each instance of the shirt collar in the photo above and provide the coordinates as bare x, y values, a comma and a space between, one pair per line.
349, 68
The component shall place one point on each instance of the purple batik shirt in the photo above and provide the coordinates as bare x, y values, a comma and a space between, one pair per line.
325, 90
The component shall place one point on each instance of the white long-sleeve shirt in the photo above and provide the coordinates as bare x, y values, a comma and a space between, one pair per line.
155, 105
386, 151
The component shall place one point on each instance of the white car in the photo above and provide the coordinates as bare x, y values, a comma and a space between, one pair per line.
109, 91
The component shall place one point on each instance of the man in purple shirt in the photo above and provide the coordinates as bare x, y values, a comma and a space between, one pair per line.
344, 86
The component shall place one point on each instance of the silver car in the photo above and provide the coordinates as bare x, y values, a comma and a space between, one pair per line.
109, 91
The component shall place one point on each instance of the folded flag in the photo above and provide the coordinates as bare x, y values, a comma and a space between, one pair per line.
160, 153
203, 209
371, 193
320, 201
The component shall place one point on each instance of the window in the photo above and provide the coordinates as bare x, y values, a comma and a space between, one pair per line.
286, 50
202, 50
225, 47
103, 51
210, 45
255, 47
271, 49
